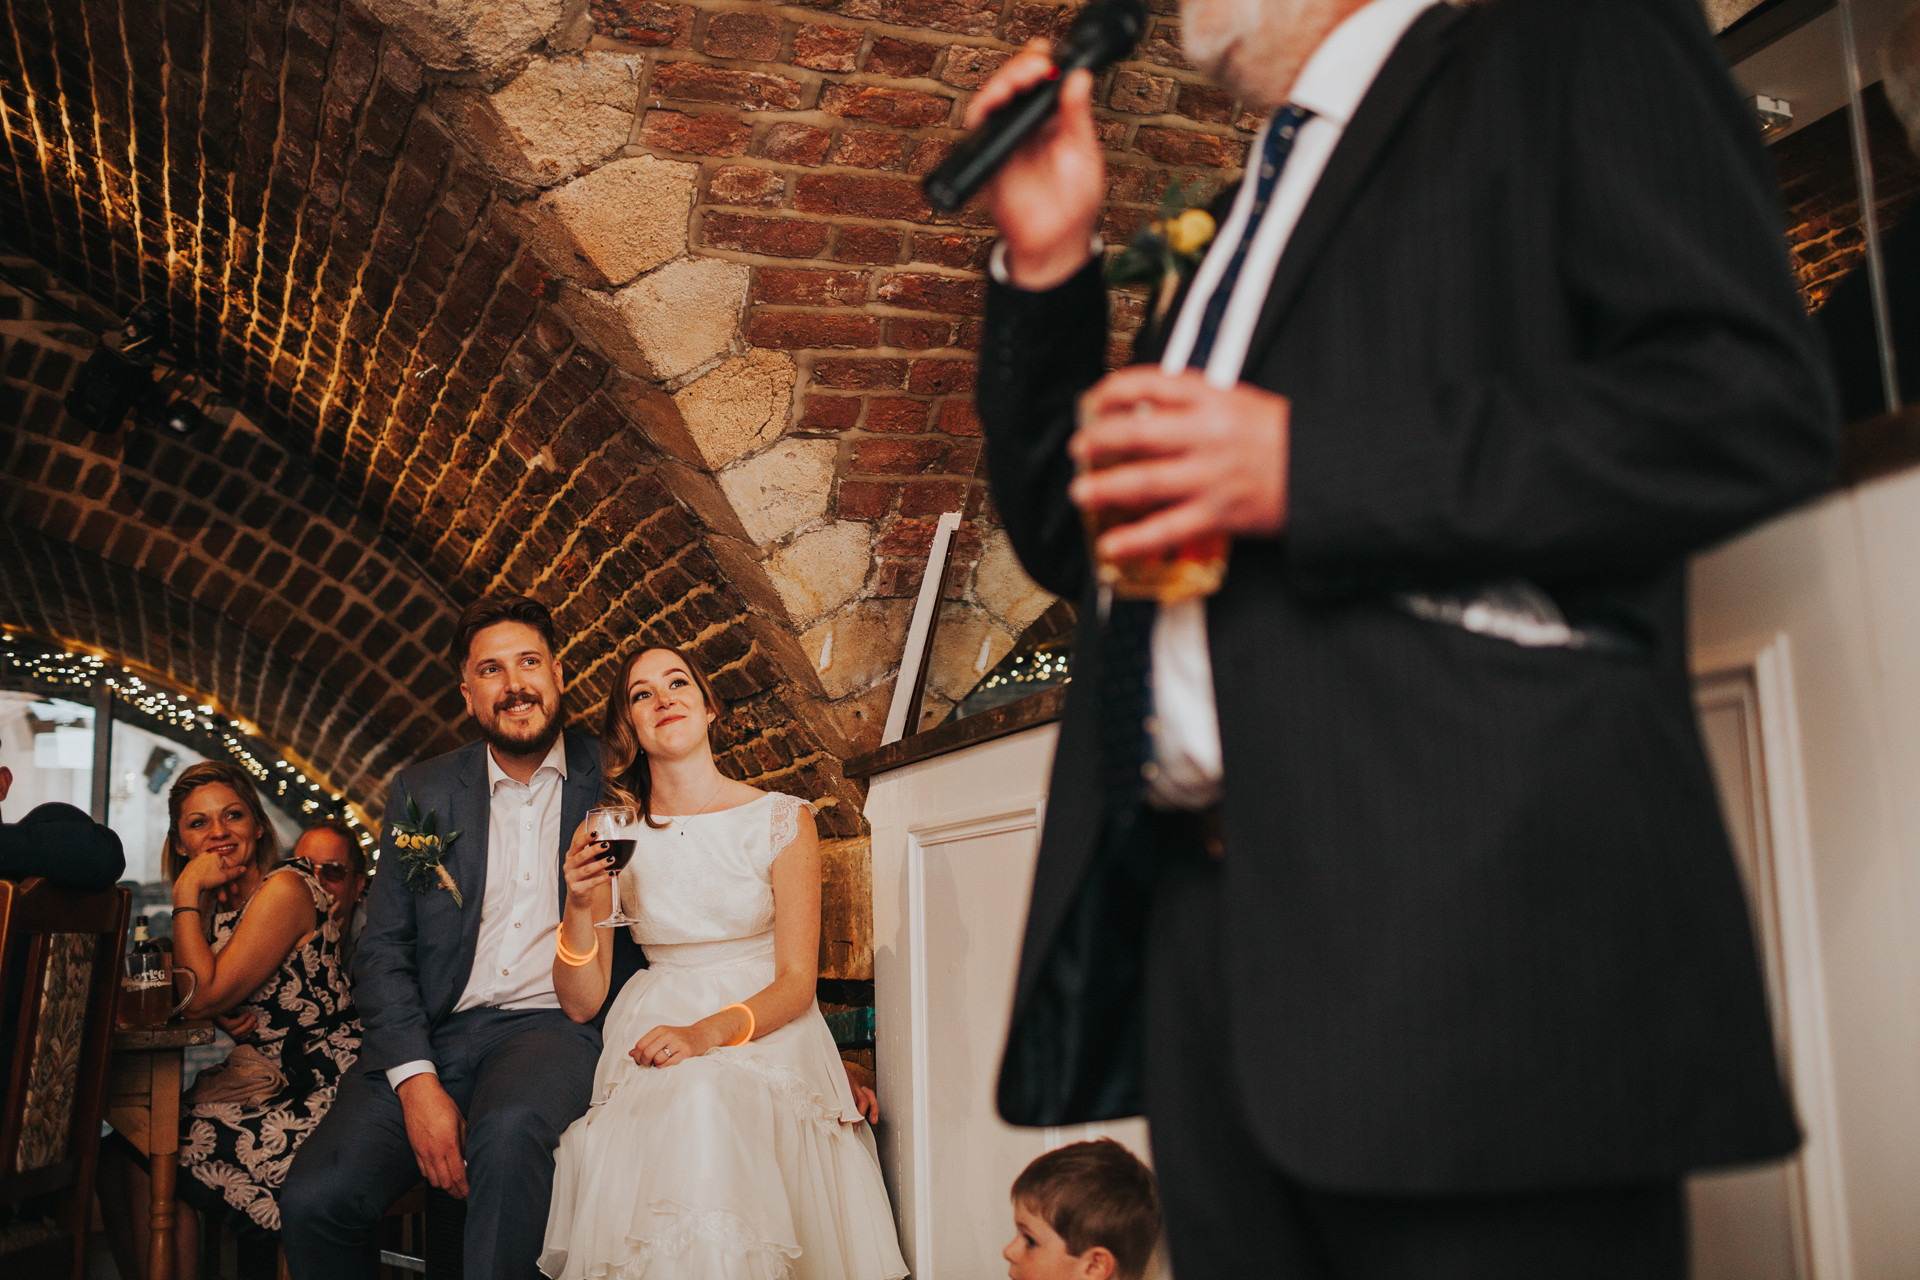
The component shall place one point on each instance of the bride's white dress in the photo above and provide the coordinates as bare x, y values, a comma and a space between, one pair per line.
749, 1163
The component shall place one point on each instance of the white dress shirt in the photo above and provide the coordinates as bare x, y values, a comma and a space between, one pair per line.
1186, 725
520, 908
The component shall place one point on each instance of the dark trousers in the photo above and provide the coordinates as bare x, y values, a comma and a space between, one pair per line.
1231, 1213
519, 1078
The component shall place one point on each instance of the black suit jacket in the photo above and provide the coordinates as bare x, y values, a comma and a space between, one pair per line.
63, 844
416, 955
1483, 927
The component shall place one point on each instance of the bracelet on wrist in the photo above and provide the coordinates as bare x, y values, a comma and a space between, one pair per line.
570, 957
197, 911
750, 1025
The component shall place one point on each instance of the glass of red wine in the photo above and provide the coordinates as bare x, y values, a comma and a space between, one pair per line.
617, 827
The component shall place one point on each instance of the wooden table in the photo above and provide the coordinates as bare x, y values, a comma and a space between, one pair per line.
143, 1106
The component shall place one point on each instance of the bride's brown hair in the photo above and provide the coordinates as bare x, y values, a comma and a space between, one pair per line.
629, 776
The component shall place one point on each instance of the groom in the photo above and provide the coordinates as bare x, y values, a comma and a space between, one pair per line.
469, 1071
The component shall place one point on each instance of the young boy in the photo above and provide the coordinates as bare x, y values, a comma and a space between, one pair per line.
1083, 1212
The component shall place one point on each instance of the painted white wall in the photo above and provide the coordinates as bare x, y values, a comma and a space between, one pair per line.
1840, 582
954, 842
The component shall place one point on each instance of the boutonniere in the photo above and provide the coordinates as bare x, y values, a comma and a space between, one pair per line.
423, 852
1168, 250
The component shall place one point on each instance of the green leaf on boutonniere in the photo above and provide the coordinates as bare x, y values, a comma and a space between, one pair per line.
1166, 251
423, 853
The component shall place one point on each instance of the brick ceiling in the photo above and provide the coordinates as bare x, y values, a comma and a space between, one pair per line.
403, 251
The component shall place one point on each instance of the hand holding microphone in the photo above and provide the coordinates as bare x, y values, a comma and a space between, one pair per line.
1033, 124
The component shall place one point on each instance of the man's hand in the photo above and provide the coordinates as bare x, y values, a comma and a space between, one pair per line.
1200, 459
1046, 198
437, 1131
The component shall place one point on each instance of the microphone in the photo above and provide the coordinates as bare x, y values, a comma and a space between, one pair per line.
1101, 36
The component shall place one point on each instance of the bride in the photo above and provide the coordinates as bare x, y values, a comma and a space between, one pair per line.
724, 1142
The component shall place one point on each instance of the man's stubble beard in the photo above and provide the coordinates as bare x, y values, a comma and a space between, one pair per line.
534, 744
1256, 48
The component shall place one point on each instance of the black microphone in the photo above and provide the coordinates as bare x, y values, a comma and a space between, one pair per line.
1101, 36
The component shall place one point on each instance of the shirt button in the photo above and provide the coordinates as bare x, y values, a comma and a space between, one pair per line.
1153, 725
527, 875
503, 973
1150, 771
516, 924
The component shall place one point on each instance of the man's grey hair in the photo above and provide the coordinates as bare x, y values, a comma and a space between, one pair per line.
1902, 56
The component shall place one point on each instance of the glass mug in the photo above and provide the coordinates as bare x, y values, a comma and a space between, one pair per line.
146, 989
1194, 569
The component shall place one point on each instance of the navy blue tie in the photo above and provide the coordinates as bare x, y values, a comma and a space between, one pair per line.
1126, 658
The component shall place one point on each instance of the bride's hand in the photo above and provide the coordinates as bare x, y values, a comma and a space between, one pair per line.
585, 868
670, 1046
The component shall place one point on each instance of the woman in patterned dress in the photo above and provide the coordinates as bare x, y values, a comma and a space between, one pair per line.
264, 946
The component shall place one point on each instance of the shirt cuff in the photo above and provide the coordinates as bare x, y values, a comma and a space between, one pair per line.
408, 1070
997, 261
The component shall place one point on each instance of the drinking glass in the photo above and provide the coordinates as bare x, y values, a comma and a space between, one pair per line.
617, 826
146, 989
1195, 568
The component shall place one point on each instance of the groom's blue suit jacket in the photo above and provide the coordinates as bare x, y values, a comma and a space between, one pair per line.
417, 952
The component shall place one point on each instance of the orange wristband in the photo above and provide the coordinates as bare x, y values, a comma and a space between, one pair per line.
750, 1024
569, 956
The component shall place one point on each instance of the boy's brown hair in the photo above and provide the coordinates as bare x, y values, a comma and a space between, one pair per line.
1096, 1193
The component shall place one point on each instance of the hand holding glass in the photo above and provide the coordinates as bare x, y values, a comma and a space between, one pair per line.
1194, 569
617, 827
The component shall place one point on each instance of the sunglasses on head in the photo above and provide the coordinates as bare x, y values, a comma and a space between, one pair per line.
331, 872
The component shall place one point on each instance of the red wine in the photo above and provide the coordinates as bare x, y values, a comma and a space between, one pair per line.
619, 853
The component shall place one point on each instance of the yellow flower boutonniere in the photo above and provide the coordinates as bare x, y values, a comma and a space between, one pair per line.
423, 852
1167, 250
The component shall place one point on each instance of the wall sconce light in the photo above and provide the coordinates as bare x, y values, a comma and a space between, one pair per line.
1774, 114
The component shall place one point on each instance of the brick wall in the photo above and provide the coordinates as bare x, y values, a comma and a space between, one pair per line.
811, 126
1822, 195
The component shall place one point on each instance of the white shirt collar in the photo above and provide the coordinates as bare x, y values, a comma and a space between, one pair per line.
556, 760
1343, 68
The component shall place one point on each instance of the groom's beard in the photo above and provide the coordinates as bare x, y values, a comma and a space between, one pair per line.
534, 738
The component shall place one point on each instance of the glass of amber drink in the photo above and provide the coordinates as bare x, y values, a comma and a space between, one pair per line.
1194, 569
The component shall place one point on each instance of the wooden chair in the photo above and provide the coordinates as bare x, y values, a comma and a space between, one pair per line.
60, 960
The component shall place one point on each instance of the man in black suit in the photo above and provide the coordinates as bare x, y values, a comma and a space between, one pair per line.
1389, 881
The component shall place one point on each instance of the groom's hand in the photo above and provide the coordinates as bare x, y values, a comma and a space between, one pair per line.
437, 1131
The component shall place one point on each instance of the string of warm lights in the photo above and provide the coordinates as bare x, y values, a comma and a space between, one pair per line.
171, 713
1045, 666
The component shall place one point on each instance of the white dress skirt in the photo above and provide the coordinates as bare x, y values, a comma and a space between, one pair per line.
749, 1163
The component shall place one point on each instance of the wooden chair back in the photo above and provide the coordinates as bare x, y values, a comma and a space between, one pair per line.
60, 981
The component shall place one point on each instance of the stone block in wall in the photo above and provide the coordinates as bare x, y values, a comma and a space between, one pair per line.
686, 313
474, 35
740, 406
557, 118
783, 488
820, 571
1002, 585
860, 645
621, 220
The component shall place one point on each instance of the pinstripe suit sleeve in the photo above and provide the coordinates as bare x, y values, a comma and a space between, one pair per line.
1698, 402
1040, 351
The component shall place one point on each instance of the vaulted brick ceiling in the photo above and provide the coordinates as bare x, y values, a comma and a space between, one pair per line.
636, 308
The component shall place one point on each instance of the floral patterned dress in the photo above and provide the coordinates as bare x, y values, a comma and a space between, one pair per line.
306, 1026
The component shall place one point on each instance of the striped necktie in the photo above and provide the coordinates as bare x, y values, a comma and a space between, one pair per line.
1126, 658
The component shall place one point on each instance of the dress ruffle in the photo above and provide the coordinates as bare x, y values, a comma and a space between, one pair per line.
750, 1163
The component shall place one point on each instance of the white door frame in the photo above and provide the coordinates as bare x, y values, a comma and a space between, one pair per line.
1768, 662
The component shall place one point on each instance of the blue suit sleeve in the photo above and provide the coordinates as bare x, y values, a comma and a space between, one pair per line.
386, 985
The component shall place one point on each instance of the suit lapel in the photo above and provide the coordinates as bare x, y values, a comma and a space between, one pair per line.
581, 793
472, 816
1406, 72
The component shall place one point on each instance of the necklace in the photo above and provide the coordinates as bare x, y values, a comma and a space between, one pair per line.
682, 818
